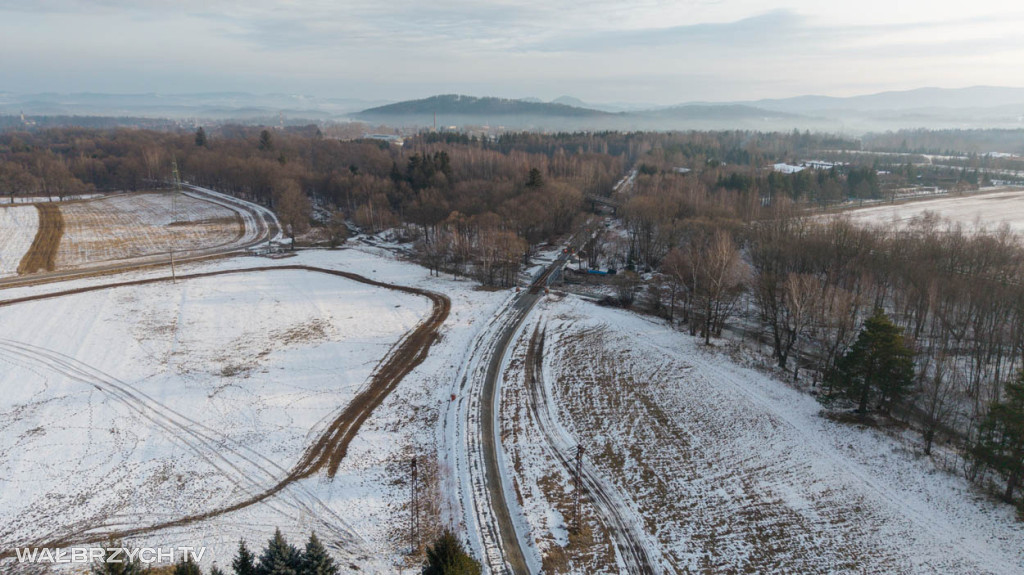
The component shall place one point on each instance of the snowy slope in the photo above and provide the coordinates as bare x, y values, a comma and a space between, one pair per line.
18, 226
259, 362
733, 471
989, 210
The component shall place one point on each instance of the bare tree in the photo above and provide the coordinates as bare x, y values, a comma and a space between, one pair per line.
293, 208
717, 275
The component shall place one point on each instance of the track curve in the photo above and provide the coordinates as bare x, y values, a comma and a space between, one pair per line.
628, 536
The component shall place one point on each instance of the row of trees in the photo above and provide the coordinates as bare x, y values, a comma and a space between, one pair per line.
490, 191
953, 302
948, 300
445, 556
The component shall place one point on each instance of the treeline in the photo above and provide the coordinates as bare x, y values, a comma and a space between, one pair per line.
955, 295
45, 122
489, 202
278, 557
948, 142
445, 556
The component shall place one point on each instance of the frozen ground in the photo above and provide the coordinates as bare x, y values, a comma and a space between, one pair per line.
18, 225
134, 405
989, 210
730, 470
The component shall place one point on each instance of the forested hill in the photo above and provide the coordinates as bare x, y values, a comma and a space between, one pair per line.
454, 104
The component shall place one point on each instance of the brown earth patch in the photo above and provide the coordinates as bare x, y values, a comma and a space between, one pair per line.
42, 254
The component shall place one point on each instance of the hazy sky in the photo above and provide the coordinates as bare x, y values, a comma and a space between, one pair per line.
656, 51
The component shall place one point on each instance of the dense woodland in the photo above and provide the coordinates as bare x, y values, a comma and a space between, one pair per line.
707, 231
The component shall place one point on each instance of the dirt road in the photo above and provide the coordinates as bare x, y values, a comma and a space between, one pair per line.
42, 254
607, 503
329, 449
260, 225
502, 545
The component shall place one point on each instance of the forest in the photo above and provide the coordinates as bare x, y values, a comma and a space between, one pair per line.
713, 240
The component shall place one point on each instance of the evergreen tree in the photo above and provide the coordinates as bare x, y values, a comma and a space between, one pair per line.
245, 561
216, 570
447, 557
535, 179
879, 366
121, 565
1001, 437
279, 557
200, 137
266, 140
187, 567
316, 560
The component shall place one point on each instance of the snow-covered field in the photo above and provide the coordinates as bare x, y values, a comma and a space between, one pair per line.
730, 470
136, 405
18, 225
989, 210
137, 225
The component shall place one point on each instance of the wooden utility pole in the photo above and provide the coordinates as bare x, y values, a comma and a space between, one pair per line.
578, 488
414, 511
174, 213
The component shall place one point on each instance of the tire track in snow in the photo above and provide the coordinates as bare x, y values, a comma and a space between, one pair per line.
638, 554
330, 448
209, 445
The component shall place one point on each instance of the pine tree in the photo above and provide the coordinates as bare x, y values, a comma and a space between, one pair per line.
216, 570
187, 567
447, 557
245, 561
279, 557
266, 140
879, 366
535, 179
1001, 437
316, 560
200, 137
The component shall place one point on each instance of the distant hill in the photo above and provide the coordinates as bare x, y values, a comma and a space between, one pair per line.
976, 97
570, 101
570, 114
458, 105
934, 108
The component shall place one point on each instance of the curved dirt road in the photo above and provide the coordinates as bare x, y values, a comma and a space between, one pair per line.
260, 225
607, 503
328, 450
503, 546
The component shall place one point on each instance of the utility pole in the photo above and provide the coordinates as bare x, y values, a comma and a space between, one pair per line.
413, 507
174, 212
578, 487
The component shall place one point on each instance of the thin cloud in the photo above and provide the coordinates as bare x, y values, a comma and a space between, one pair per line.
655, 50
